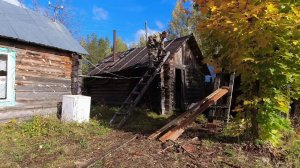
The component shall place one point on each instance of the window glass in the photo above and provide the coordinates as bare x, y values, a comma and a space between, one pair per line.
3, 76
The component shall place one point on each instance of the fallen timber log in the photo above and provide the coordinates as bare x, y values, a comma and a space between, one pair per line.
176, 127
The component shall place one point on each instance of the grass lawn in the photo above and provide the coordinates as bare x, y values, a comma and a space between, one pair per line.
48, 142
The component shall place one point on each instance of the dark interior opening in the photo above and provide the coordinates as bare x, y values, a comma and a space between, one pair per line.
178, 90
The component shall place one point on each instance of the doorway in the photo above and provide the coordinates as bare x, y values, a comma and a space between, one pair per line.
179, 85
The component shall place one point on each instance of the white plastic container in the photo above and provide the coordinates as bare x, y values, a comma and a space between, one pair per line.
76, 108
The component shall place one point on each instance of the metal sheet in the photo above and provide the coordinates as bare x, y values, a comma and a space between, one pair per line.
135, 59
25, 25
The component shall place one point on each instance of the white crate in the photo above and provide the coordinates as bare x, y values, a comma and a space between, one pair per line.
76, 108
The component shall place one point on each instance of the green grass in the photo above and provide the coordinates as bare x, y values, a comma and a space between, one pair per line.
142, 120
46, 138
293, 151
51, 143
48, 142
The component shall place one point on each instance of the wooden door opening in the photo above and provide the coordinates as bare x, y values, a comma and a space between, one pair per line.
179, 102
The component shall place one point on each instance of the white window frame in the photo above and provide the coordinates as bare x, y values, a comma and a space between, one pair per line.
10, 99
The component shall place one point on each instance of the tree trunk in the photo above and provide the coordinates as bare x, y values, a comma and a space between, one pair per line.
254, 128
254, 113
295, 113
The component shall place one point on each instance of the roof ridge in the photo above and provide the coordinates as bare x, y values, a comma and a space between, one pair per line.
120, 53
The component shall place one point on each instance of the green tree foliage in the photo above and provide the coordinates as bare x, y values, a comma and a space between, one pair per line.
98, 48
260, 40
142, 42
121, 46
182, 21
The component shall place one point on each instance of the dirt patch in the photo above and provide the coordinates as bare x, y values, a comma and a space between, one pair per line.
186, 152
94, 145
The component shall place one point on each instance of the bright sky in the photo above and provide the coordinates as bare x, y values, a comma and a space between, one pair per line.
126, 16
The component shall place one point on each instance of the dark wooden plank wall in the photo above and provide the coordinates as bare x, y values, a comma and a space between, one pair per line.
108, 91
196, 88
194, 79
115, 91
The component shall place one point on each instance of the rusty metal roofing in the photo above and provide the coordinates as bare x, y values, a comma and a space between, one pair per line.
135, 57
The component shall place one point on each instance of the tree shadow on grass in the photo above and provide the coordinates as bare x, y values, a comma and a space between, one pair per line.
216, 134
206, 134
141, 121
145, 122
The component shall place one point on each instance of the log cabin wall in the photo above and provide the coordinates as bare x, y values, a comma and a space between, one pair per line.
179, 83
196, 87
108, 91
113, 92
43, 75
192, 80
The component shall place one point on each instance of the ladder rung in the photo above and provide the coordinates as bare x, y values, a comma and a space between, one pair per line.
128, 102
119, 113
222, 107
136, 94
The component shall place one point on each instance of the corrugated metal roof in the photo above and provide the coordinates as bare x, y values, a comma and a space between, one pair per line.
136, 57
25, 25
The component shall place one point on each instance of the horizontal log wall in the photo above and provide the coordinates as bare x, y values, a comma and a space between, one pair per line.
111, 92
160, 96
194, 88
43, 76
115, 91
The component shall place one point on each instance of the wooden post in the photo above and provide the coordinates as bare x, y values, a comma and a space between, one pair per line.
114, 45
75, 75
163, 92
146, 31
229, 98
212, 112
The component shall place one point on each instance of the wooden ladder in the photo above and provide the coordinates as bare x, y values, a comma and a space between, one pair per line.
136, 94
227, 106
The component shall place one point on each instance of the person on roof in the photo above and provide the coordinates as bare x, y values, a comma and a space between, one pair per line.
155, 47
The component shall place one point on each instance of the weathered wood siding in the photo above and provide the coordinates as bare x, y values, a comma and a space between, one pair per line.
43, 75
161, 96
108, 91
115, 91
194, 87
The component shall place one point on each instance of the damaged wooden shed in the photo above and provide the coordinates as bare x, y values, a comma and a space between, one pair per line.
179, 83
39, 62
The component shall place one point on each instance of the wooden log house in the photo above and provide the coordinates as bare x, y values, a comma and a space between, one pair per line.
180, 82
39, 62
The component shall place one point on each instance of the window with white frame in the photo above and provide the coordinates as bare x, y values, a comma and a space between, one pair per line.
7, 77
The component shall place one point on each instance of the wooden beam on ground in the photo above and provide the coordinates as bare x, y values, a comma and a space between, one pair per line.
178, 119
175, 132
